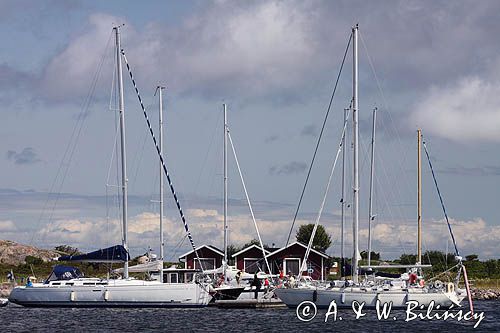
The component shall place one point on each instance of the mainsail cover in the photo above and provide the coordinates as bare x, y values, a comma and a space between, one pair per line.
151, 266
112, 254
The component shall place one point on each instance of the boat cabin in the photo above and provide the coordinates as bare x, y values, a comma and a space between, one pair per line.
176, 274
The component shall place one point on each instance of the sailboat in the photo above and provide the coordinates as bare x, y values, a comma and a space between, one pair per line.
66, 287
398, 291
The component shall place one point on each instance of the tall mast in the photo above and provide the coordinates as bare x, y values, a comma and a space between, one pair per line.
342, 201
160, 137
225, 188
371, 217
121, 107
355, 201
419, 180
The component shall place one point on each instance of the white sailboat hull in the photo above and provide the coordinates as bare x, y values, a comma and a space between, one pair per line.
344, 297
118, 293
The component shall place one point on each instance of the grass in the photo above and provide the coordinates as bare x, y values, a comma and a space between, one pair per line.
486, 283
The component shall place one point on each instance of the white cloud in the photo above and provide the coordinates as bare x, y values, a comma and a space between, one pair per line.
145, 222
473, 236
202, 212
256, 48
466, 111
205, 225
391, 239
6, 226
69, 73
252, 49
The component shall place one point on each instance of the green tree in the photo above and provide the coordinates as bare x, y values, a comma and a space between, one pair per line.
471, 257
322, 240
492, 268
250, 243
374, 256
232, 249
407, 259
31, 260
67, 250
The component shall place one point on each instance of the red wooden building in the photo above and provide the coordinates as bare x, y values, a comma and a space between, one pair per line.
251, 259
287, 259
210, 256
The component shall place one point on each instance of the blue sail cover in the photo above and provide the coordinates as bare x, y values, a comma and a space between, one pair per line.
112, 254
61, 272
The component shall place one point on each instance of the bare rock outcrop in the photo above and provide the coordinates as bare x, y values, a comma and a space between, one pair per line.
12, 253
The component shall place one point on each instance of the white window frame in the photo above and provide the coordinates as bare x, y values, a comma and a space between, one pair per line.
196, 262
244, 263
188, 277
290, 259
170, 277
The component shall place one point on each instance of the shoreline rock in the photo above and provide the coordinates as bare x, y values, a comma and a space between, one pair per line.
485, 294
5, 289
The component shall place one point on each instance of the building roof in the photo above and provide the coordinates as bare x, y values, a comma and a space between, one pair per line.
248, 248
210, 247
298, 243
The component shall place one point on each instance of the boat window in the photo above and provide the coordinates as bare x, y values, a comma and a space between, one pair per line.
56, 283
89, 283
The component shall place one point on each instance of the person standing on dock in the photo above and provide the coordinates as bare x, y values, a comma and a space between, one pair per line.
257, 283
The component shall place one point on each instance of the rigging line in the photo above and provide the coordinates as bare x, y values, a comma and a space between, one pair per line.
384, 100
441, 199
160, 155
112, 154
387, 199
118, 194
154, 181
108, 177
137, 161
311, 239
208, 151
319, 140
248, 199
75, 135
139, 153
177, 247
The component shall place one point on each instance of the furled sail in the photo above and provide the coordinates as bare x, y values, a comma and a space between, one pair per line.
115, 253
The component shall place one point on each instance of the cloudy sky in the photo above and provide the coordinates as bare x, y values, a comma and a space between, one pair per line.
424, 64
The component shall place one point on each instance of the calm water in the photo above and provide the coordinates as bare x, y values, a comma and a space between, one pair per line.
18, 319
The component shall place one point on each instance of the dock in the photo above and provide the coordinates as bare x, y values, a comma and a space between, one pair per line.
251, 303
